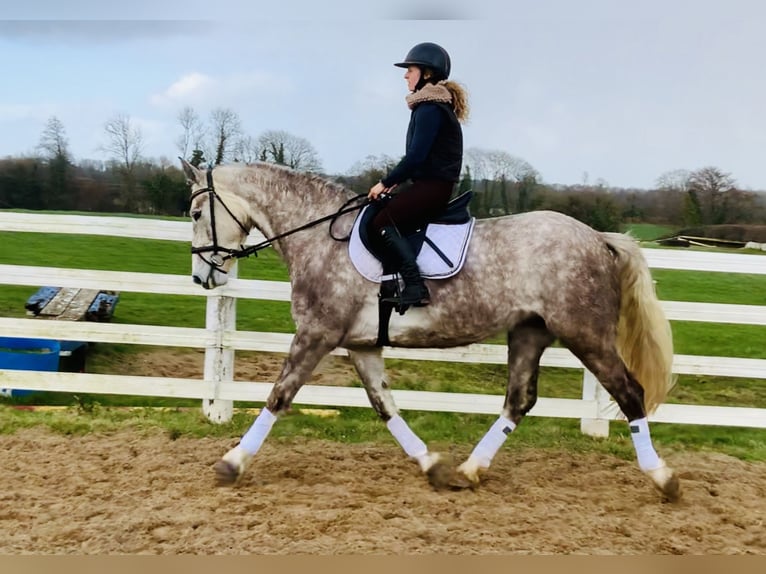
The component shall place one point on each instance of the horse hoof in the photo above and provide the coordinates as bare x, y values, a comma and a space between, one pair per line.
666, 481
469, 471
672, 489
460, 481
226, 474
440, 474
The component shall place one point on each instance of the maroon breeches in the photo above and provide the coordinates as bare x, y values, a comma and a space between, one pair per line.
414, 207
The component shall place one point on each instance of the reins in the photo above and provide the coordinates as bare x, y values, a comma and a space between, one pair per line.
253, 249
216, 260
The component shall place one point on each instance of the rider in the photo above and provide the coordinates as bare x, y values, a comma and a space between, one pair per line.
433, 160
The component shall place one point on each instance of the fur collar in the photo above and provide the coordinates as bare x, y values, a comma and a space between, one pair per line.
430, 93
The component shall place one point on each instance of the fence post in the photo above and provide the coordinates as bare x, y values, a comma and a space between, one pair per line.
592, 390
220, 316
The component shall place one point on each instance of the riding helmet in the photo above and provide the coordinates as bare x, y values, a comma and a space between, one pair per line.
431, 56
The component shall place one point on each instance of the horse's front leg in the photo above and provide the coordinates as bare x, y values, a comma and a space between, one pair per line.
370, 366
306, 350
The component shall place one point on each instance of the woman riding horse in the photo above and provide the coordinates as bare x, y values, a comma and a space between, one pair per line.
433, 159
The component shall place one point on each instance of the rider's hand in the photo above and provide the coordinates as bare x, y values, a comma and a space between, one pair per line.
378, 189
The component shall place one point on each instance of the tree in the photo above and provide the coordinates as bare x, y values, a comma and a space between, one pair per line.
283, 148
589, 205
365, 173
198, 157
225, 128
247, 150
53, 141
676, 180
124, 141
526, 188
22, 183
125, 144
501, 175
466, 181
713, 191
55, 147
166, 190
193, 134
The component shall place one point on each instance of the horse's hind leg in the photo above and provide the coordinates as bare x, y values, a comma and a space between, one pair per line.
370, 366
526, 344
306, 350
607, 366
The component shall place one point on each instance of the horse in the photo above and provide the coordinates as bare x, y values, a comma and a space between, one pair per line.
540, 277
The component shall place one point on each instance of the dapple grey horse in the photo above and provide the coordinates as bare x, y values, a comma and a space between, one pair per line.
539, 277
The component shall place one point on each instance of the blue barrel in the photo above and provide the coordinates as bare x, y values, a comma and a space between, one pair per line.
28, 355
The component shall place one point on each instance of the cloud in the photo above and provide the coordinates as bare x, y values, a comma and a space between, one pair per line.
183, 90
198, 89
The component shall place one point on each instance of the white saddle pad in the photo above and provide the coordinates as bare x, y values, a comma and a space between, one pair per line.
452, 240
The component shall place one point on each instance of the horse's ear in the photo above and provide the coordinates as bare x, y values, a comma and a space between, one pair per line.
193, 175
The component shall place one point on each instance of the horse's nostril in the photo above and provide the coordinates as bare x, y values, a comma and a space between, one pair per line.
197, 280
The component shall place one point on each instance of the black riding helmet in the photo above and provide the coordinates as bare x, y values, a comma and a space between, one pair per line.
428, 55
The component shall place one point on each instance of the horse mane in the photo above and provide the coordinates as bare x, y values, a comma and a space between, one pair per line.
312, 182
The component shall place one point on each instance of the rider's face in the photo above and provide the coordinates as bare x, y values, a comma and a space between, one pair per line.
412, 75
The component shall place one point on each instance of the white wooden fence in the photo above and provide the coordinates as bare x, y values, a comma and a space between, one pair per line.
217, 388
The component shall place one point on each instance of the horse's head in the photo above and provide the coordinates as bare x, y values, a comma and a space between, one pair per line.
218, 231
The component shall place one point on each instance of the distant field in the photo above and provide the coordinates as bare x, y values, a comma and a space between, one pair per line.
648, 231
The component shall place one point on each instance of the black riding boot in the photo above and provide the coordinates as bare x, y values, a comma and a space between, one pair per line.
415, 292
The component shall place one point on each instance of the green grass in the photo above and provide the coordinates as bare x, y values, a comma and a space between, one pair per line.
709, 287
89, 413
648, 231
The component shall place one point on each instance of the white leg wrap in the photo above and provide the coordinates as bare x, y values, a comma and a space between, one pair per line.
491, 442
642, 442
256, 434
238, 458
412, 445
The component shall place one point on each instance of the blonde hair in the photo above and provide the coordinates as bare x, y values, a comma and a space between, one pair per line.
459, 95
459, 99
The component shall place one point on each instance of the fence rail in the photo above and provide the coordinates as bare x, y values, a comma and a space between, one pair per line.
220, 338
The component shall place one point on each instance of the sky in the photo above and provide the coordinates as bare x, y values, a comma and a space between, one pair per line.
583, 90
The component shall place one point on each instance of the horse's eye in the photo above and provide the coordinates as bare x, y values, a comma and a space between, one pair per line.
196, 214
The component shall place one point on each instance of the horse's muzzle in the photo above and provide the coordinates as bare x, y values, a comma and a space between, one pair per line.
205, 283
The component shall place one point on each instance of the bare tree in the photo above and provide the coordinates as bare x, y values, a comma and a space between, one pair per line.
373, 163
500, 175
225, 128
125, 141
247, 150
125, 144
714, 190
283, 148
53, 141
670, 201
497, 164
675, 180
193, 132
367, 172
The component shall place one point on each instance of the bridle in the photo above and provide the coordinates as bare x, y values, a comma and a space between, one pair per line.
216, 260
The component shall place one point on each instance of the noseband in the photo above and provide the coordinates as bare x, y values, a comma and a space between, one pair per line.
216, 260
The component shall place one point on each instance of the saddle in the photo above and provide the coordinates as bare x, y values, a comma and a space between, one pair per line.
441, 249
441, 246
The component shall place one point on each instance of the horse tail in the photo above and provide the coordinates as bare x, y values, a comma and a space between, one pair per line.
644, 338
